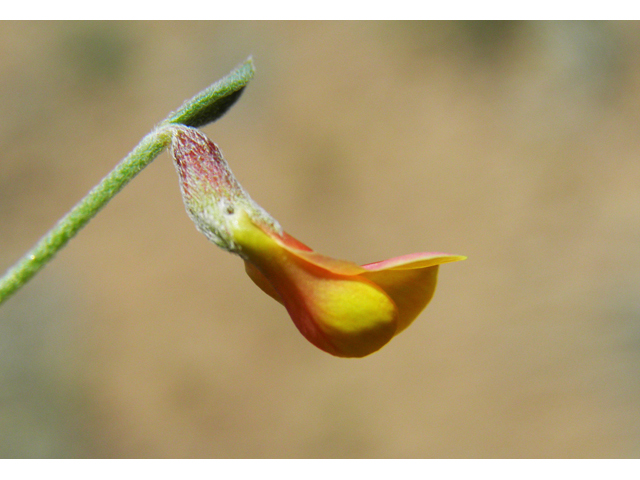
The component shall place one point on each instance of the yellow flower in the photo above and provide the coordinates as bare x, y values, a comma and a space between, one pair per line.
342, 308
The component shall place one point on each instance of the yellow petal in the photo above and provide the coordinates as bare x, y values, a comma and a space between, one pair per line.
411, 290
409, 280
345, 315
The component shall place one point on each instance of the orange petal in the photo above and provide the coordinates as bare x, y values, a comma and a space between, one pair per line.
261, 281
299, 249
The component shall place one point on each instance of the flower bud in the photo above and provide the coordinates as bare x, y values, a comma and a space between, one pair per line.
342, 308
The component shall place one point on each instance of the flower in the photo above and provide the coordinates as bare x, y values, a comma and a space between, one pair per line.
342, 308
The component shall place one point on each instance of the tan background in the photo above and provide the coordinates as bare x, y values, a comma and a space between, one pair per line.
516, 144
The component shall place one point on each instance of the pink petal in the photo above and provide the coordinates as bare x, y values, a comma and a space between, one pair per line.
413, 260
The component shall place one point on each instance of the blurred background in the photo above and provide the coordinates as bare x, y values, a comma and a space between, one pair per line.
516, 144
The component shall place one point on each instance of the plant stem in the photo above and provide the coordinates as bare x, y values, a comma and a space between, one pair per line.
206, 107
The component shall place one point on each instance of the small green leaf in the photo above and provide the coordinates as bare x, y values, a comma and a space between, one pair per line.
213, 103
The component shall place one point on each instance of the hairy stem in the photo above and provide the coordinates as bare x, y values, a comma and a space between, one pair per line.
206, 107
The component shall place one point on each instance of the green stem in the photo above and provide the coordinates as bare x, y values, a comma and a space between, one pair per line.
206, 107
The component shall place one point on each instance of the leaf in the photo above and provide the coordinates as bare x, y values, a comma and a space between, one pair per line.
215, 101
